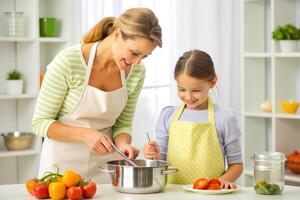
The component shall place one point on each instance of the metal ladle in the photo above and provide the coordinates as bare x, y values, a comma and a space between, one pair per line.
123, 155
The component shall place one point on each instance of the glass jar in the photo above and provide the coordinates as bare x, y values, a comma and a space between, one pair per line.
14, 23
268, 172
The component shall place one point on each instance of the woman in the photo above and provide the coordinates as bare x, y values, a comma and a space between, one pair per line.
89, 94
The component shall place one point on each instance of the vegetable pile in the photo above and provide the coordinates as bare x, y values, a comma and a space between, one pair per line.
57, 186
262, 187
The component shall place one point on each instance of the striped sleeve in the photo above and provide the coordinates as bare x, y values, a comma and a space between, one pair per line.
135, 82
52, 94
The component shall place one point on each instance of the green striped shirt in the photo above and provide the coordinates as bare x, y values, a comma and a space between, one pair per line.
63, 85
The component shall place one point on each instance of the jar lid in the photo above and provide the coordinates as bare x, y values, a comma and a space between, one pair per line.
269, 155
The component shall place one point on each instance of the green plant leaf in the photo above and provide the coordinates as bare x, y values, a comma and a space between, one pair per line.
14, 75
286, 32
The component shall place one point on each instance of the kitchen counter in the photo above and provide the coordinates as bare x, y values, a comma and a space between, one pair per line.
106, 192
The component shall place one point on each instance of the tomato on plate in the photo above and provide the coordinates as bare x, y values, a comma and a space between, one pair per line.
201, 183
74, 193
57, 190
40, 190
30, 183
89, 190
214, 184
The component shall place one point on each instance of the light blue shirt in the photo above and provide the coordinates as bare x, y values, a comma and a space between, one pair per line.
226, 126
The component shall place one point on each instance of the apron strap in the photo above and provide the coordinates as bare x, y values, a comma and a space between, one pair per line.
123, 77
211, 111
90, 61
178, 112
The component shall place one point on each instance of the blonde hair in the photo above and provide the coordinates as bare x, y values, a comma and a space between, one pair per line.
134, 22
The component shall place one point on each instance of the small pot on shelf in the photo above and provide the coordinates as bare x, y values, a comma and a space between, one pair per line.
288, 46
14, 82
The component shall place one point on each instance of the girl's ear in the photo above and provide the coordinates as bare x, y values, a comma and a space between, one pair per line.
213, 82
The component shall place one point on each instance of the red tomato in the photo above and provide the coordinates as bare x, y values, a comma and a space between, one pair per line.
30, 183
201, 183
74, 193
214, 186
40, 191
214, 181
89, 190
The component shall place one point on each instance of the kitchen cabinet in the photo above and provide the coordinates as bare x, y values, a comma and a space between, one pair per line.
29, 54
268, 74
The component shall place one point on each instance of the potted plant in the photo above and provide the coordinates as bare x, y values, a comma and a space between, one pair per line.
288, 36
14, 82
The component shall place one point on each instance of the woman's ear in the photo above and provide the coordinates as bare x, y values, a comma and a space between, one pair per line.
213, 82
117, 33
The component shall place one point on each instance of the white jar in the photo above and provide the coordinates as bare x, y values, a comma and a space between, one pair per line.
14, 23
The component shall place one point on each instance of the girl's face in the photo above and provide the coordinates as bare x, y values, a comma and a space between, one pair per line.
130, 51
194, 92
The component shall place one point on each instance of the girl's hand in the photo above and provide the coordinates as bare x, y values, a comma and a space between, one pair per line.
128, 150
227, 184
151, 150
99, 142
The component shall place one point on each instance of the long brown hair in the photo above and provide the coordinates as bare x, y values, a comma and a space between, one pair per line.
197, 64
134, 22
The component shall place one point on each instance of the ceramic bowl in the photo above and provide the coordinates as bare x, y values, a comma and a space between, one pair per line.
289, 106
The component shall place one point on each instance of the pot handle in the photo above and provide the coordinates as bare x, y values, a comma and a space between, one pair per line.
168, 171
106, 171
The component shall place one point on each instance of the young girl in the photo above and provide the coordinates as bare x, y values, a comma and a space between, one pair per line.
198, 136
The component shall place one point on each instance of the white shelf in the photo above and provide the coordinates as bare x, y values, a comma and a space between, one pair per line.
288, 116
17, 96
287, 55
270, 115
289, 176
268, 74
52, 39
30, 55
5, 154
16, 39
257, 55
258, 114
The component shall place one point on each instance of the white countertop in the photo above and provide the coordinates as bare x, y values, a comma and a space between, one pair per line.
106, 192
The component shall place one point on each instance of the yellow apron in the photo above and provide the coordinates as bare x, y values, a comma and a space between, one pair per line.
194, 149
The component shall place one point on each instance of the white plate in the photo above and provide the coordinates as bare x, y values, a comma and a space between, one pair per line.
222, 191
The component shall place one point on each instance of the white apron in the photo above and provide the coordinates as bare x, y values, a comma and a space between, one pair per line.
96, 109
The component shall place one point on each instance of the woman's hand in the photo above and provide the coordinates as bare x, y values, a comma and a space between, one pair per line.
99, 142
151, 150
227, 184
128, 150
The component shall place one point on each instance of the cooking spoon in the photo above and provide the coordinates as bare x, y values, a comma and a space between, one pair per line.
123, 155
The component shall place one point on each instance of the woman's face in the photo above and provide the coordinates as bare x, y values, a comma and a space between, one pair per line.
194, 92
130, 51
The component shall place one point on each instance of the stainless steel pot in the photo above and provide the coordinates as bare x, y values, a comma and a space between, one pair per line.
149, 177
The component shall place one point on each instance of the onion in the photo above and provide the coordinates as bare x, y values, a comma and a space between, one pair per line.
266, 106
